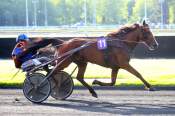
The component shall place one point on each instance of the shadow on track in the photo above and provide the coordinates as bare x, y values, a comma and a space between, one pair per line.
114, 108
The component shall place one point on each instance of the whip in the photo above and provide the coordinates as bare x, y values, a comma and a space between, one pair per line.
15, 75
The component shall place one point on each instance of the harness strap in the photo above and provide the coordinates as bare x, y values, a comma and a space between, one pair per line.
108, 58
106, 54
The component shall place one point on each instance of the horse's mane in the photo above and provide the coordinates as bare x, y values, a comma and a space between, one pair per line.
123, 30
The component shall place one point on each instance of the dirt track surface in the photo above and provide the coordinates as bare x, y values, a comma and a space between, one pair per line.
109, 103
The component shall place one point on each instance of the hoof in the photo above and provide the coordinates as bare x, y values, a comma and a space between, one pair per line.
94, 95
94, 82
150, 89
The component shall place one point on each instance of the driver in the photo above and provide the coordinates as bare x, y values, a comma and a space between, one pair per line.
25, 48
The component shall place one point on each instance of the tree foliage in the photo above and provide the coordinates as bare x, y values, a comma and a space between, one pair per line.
79, 12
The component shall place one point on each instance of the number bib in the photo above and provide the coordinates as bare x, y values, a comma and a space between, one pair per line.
101, 43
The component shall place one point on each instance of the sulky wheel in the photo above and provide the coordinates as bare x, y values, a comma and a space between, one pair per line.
62, 85
35, 88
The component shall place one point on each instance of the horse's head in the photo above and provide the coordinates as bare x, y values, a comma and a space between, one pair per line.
147, 37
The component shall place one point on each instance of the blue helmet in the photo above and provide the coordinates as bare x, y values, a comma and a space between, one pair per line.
22, 37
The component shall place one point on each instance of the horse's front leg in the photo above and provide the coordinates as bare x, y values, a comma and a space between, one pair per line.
113, 79
133, 71
80, 77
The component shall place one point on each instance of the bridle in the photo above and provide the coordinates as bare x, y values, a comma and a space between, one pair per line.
144, 32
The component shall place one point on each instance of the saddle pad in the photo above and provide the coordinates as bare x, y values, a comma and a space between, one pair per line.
30, 64
101, 43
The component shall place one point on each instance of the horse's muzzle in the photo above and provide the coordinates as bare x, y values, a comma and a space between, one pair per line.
154, 46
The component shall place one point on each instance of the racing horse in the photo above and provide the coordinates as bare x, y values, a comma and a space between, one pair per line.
116, 56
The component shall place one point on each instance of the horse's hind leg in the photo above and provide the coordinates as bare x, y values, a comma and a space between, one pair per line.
130, 69
113, 79
80, 77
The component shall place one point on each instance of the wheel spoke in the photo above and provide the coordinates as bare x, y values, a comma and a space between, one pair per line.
41, 92
30, 90
42, 85
65, 81
30, 82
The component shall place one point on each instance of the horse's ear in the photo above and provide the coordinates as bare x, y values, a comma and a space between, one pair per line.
144, 22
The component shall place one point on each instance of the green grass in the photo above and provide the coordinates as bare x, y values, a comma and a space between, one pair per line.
155, 71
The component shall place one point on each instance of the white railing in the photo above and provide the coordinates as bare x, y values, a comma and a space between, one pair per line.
69, 31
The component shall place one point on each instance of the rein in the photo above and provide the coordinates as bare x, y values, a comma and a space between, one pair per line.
91, 42
106, 40
144, 33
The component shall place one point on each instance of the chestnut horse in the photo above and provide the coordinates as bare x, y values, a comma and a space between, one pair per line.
117, 55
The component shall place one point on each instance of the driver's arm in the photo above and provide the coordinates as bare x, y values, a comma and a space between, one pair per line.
37, 45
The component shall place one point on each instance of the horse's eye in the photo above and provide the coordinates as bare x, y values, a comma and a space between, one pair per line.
145, 34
